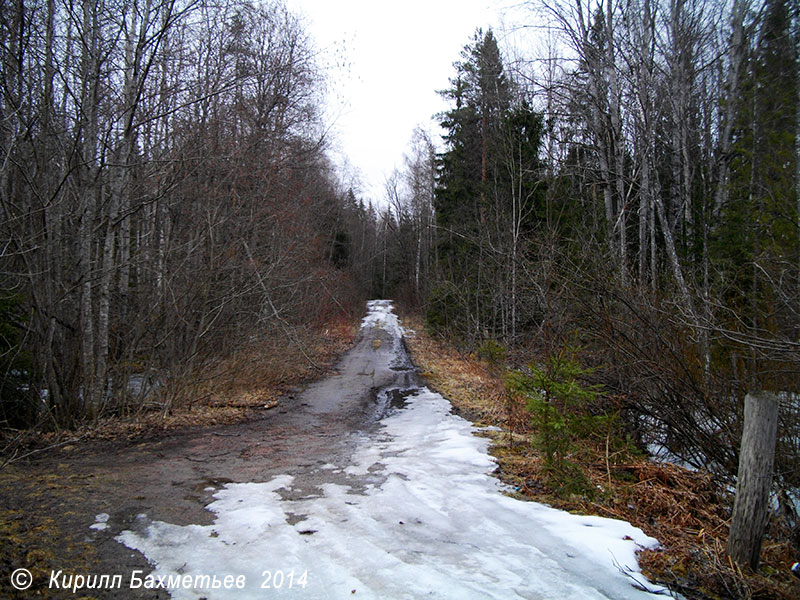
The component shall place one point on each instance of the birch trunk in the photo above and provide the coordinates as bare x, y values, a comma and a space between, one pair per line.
677, 101
53, 221
737, 52
584, 47
10, 110
100, 382
618, 145
646, 122
644, 214
87, 192
669, 243
652, 236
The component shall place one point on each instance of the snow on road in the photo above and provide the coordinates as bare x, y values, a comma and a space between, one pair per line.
422, 518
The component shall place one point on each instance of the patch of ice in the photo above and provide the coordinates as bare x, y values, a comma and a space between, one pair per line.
436, 525
100, 522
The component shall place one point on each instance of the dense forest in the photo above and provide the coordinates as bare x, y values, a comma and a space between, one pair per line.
633, 195
166, 195
632, 199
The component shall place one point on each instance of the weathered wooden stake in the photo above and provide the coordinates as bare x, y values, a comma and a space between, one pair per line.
756, 459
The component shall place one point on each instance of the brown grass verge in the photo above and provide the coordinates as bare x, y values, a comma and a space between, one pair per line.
687, 511
221, 391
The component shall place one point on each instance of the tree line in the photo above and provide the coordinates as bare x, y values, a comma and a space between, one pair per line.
166, 197
634, 191
165, 192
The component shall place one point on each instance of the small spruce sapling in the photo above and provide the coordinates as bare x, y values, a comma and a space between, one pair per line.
557, 399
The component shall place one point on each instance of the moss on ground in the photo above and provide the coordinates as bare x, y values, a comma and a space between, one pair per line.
37, 530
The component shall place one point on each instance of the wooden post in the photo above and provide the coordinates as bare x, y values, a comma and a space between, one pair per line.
756, 458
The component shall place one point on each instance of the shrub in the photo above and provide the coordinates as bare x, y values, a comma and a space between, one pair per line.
493, 353
558, 403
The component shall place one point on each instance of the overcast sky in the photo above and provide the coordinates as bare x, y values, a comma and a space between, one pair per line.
386, 61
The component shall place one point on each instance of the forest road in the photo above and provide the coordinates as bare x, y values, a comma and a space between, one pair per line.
174, 477
365, 483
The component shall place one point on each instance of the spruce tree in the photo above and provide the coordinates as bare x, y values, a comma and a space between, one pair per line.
757, 235
492, 143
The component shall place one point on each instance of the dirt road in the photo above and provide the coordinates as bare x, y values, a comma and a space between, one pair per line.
173, 478
364, 484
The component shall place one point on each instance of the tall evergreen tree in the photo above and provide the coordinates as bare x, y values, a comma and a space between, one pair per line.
492, 143
757, 234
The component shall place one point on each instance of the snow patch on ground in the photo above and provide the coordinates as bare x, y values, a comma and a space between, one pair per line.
379, 314
434, 524
100, 522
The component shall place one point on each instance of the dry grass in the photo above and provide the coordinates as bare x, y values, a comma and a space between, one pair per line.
223, 390
255, 377
470, 385
688, 512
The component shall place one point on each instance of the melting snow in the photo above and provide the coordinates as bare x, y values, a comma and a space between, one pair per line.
431, 522
380, 314
100, 522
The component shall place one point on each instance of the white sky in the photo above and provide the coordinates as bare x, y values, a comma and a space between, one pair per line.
386, 61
